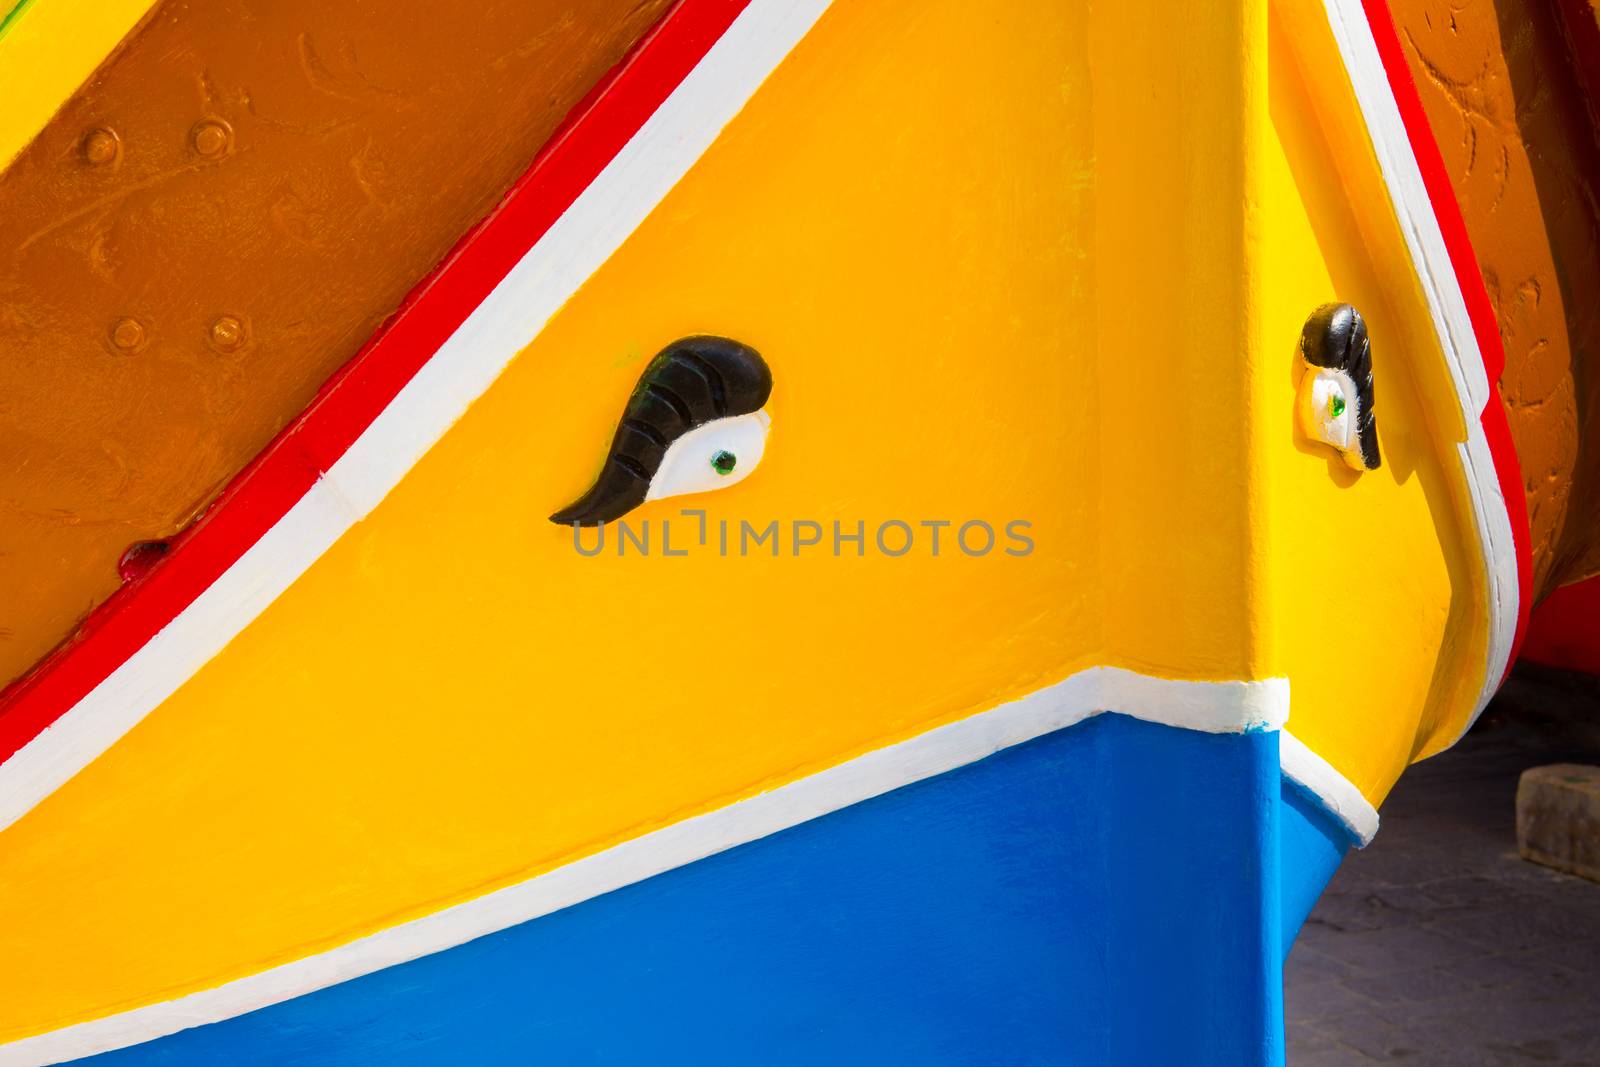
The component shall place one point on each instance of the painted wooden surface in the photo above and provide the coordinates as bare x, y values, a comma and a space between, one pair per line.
49, 49
1329, 226
1038, 906
275, 177
1565, 629
1513, 121
892, 666
1111, 357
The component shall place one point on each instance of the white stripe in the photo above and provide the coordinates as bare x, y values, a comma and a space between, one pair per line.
1448, 308
1336, 792
1213, 707
585, 236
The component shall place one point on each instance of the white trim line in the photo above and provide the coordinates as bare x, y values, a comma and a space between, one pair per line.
1336, 792
1448, 308
580, 241
1212, 707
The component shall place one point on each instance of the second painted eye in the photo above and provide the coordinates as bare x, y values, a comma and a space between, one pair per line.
724, 461
1334, 402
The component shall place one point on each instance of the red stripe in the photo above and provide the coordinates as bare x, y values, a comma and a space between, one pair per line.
1563, 631
290, 465
1470, 279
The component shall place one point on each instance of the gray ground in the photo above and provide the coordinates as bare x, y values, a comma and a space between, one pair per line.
1437, 945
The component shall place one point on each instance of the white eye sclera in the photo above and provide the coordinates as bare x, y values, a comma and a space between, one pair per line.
1328, 408
716, 455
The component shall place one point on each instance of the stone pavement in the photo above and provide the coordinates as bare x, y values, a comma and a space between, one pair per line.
1437, 946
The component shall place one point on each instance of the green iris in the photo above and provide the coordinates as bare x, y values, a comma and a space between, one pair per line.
1336, 405
724, 462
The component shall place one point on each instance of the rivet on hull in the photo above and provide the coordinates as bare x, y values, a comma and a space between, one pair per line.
211, 138
128, 335
100, 146
227, 334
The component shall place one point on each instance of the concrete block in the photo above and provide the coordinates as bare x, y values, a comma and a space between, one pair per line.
1558, 818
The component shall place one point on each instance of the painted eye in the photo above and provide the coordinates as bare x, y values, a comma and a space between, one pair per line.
1335, 397
696, 422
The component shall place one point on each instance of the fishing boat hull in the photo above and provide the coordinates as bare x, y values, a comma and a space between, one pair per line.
908, 532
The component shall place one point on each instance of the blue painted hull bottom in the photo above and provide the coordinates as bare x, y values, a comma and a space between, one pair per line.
1311, 845
1113, 893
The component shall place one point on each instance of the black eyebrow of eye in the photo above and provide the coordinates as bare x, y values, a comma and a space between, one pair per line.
672, 400
632, 466
713, 380
644, 429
